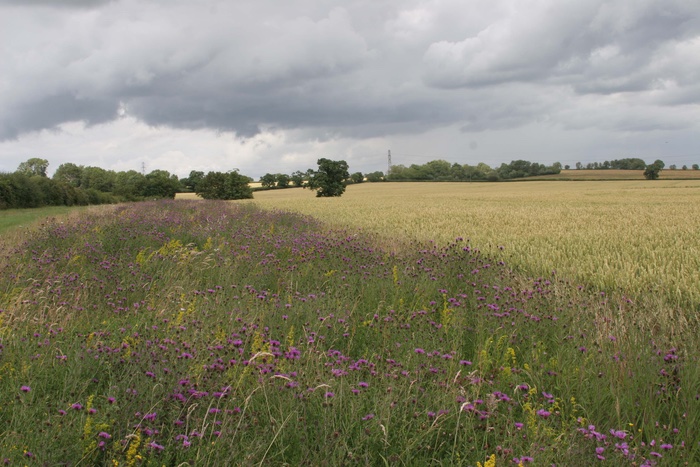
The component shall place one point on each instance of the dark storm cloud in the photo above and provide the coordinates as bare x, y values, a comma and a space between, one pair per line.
352, 69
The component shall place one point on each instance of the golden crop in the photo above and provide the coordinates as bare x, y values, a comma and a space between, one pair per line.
639, 236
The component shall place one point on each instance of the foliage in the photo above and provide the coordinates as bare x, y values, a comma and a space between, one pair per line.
282, 180
377, 176
652, 172
298, 178
69, 173
192, 181
440, 170
329, 179
228, 186
267, 180
18, 190
34, 166
630, 163
357, 177
161, 184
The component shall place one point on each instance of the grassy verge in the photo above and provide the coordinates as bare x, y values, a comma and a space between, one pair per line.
221, 334
13, 219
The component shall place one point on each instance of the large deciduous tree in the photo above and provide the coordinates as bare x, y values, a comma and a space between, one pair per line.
329, 179
652, 172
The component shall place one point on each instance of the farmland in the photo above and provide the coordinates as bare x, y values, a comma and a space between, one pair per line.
639, 237
401, 324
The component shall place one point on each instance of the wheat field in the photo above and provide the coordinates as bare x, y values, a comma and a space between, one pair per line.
640, 237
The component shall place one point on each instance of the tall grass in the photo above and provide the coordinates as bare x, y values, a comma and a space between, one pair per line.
215, 333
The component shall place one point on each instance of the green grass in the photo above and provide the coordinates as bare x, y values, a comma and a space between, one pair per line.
210, 333
12, 219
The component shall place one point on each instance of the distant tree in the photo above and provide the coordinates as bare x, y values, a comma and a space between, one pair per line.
557, 166
672, 167
567, 167
329, 179
97, 178
659, 163
579, 166
267, 180
34, 166
69, 173
377, 176
298, 178
130, 185
357, 177
652, 172
192, 180
630, 163
685, 167
160, 184
229, 185
696, 167
437, 170
282, 180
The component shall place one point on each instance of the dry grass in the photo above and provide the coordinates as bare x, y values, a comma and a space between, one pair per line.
639, 236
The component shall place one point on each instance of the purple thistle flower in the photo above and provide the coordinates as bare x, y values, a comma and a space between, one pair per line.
618, 434
328, 395
25, 389
544, 413
77, 406
155, 446
369, 416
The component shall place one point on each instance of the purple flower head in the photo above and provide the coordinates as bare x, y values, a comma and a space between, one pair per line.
156, 447
25, 389
544, 413
618, 434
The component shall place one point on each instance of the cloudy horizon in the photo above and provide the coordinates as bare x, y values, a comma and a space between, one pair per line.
264, 86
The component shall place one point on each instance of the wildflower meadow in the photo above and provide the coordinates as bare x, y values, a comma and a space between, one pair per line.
217, 333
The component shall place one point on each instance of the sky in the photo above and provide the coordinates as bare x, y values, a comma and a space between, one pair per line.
267, 86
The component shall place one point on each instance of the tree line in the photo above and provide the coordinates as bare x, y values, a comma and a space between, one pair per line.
631, 163
74, 185
441, 170
29, 186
